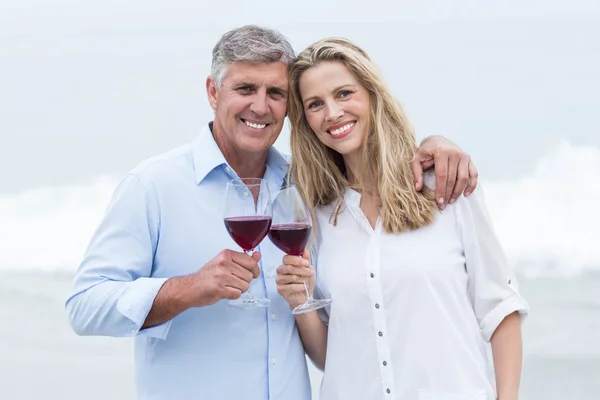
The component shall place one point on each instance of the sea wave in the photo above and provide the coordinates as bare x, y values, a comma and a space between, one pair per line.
548, 219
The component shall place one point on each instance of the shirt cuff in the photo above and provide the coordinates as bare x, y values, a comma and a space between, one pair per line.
136, 304
496, 316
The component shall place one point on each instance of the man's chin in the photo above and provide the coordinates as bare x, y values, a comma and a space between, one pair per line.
255, 145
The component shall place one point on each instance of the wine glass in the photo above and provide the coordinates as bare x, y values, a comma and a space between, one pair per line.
247, 217
290, 232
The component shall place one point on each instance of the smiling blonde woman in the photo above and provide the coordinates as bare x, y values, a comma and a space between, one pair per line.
418, 294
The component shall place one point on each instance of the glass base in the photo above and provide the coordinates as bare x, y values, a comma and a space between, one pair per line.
248, 301
311, 305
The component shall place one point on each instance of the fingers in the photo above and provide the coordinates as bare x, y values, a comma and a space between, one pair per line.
306, 255
441, 177
462, 179
233, 282
296, 261
248, 262
453, 162
417, 171
232, 293
288, 290
289, 279
242, 273
287, 269
473, 177
256, 256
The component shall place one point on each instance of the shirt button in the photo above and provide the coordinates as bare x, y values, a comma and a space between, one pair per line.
268, 274
376, 305
372, 275
380, 333
388, 391
227, 169
384, 363
273, 316
246, 194
273, 361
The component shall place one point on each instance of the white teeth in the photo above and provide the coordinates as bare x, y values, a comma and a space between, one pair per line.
255, 126
343, 129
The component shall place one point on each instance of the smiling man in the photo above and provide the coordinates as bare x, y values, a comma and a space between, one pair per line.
159, 268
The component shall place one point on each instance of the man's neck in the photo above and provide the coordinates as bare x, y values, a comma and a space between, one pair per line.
246, 164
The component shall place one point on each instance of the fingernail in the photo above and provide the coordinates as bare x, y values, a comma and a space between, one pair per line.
304, 262
441, 201
467, 194
442, 206
452, 201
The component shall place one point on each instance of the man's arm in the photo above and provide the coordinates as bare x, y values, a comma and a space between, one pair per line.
114, 291
455, 172
226, 276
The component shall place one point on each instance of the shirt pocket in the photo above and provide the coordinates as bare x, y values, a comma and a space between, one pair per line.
441, 395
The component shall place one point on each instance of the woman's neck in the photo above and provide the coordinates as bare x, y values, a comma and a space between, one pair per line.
353, 162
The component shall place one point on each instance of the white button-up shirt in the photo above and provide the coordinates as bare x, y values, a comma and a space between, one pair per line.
412, 313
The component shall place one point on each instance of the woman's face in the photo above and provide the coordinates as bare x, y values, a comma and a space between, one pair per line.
336, 106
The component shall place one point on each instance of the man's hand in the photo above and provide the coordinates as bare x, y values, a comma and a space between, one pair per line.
455, 173
226, 276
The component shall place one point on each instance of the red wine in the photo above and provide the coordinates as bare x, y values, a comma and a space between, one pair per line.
248, 232
290, 238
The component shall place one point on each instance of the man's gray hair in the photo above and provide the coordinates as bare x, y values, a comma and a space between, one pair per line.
250, 44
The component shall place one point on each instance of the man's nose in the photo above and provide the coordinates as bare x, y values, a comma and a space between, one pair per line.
259, 104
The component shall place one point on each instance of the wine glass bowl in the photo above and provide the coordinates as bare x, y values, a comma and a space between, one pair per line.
247, 218
290, 231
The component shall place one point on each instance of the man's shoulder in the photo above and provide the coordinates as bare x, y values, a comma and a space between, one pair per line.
177, 159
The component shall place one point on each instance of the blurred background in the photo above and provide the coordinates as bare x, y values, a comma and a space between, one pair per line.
90, 89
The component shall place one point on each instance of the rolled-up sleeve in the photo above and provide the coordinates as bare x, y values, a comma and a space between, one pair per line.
492, 284
113, 289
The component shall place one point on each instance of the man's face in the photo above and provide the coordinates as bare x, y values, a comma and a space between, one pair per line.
250, 106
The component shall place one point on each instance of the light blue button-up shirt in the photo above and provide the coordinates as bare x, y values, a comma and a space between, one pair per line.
164, 220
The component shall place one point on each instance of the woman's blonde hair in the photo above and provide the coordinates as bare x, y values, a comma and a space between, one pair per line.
388, 150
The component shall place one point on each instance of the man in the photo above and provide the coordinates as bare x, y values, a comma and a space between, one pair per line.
158, 267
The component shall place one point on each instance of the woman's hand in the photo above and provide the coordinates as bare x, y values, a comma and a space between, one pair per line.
291, 276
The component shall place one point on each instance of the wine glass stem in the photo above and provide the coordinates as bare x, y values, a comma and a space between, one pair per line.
308, 296
248, 292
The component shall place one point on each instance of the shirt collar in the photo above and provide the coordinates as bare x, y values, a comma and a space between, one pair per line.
208, 156
278, 162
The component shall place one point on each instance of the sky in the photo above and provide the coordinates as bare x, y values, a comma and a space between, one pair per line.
92, 88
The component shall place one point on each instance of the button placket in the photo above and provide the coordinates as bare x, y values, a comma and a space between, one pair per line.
374, 286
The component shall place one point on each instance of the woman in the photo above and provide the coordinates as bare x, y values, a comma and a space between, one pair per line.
417, 293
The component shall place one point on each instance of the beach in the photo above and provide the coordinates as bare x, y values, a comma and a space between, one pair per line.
41, 358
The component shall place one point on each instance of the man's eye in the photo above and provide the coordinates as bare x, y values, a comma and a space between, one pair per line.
276, 93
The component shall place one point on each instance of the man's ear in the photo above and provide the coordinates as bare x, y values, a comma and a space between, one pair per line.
212, 91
